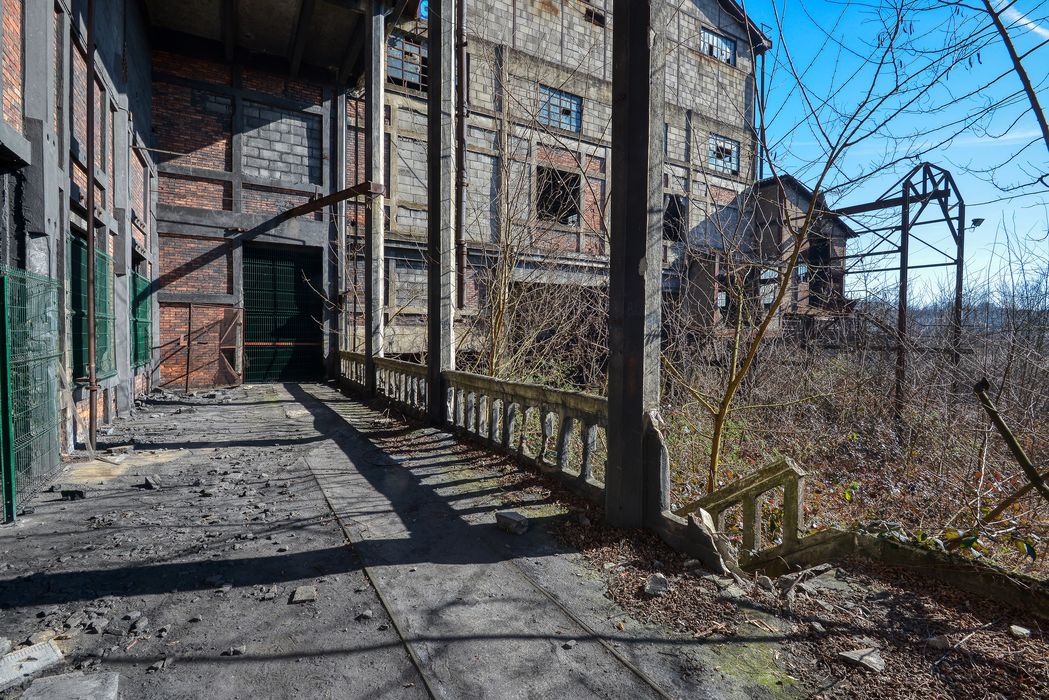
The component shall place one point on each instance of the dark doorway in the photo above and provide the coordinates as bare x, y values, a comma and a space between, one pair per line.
283, 314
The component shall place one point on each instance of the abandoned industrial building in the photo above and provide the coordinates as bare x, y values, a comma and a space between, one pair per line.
214, 209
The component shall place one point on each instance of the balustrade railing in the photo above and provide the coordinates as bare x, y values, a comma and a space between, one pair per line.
749, 494
402, 382
558, 431
563, 433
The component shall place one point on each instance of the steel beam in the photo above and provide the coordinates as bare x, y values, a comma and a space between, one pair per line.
297, 45
440, 179
635, 256
374, 169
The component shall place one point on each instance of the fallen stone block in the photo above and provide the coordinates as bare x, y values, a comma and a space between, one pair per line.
869, 659
656, 585
304, 594
18, 665
512, 521
151, 483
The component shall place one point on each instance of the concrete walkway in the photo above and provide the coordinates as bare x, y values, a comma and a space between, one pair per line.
259, 487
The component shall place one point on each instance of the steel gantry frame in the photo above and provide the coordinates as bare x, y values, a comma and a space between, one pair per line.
926, 191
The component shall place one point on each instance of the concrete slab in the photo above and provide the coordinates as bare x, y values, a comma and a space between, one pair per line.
75, 686
23, 663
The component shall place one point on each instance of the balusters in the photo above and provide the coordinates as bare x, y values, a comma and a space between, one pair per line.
589, 439
564, 442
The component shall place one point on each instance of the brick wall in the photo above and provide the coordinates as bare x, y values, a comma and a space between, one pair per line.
193, 122
12, 63
190, 264
192, 351
186, 191
280, 144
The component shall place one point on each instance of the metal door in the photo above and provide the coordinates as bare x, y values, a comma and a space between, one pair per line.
283, 314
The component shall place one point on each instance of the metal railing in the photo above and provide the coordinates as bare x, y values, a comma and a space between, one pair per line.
749, 493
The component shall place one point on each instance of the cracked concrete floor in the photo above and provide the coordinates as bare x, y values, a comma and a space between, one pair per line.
267, 488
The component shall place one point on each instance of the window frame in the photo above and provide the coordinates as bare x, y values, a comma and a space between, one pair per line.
721, 47
398, 42
564, 99
715, 163
572, 219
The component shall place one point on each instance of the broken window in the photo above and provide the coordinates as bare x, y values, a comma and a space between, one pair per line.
557, 195
723, 154
675, 217
719, 46
802, 271
407, 62
595, 16
559, 109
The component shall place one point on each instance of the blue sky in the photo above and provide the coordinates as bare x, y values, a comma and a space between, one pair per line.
828, 43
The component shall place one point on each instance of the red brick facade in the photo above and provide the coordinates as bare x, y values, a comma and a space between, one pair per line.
12, 63
201, 265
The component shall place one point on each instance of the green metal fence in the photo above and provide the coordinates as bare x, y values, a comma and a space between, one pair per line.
105, 360
30, 452
141, 321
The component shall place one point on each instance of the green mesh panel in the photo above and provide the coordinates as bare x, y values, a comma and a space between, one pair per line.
31, 451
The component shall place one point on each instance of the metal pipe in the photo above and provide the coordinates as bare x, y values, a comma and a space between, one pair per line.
461, 98
92, 377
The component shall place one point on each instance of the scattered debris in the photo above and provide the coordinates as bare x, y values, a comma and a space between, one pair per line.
366, 614
512, 521
940, 642
569, 644
41, 637
303, 594
1019, 632
73, 494
235, 651
656, 585
868, 658
97, 625
152, 483
161, 664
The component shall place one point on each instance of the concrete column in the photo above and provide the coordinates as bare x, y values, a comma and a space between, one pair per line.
374, 169
440, 169
122, 140
42, 206
634, 476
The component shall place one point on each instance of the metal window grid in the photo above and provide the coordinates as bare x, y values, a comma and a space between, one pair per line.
141, 321
105, 361
720, 47
723, 154
407, 61
559, 109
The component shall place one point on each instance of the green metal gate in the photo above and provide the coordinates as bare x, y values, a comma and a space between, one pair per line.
30, 452
284, 313
141, 321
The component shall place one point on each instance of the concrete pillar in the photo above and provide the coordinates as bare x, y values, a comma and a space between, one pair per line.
634, 475
125, 388
42, 205
440, 169
374, 169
